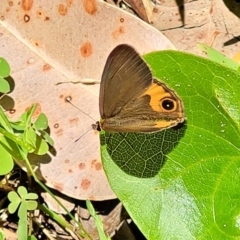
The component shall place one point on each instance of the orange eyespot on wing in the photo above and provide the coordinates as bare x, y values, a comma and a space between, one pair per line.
163, 99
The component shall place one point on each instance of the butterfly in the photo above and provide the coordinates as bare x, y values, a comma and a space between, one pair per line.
131, 99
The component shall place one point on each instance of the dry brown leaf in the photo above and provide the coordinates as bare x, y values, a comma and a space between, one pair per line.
47, 42
214, 22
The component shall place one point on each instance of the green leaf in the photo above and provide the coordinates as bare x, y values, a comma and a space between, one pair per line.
26, 117
47, 137
41, 146
2, 235
15, 201
4, 86
4, 68
31, 205
4, 122
13, 197
32, 238
30, 136
22, 192
12, 148
12, 207
41, 122
32, 196
183, 183
16, 139
6, 160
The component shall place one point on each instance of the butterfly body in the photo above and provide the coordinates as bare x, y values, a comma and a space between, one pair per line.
131, 100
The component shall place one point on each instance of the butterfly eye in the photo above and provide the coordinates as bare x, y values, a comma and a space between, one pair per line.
168, 104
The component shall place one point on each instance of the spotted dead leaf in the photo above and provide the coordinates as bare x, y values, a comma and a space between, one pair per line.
51, 44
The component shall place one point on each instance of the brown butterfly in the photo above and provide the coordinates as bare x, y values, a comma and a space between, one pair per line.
131, 100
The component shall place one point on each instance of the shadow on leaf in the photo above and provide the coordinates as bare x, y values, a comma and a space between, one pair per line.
142, 155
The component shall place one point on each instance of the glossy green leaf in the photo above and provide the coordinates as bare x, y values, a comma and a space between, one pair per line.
4, 68
4, 86
184, 182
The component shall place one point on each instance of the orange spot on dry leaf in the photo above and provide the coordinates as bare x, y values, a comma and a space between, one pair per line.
47, 18
69, 3
90, 6
81, 166
10, 3
70, 170
46, 67
98, 166
86, 49
73, 120
118, 32
62, 9
27, 4
95, 164
59, 132
8, 10
58, 186
85, 184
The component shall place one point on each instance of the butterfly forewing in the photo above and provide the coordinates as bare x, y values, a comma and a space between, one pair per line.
125, 77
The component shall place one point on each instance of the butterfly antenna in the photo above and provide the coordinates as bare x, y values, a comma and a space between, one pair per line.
69, 99
83, 134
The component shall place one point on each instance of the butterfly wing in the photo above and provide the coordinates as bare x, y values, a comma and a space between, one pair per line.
155, 109
125, 77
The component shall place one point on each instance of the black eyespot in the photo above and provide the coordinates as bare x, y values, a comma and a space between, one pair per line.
168, 105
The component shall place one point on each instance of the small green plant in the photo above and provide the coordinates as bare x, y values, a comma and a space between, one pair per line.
18, 139
24, 202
